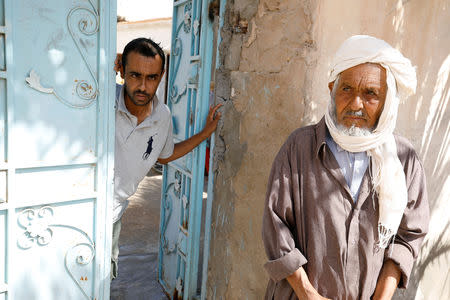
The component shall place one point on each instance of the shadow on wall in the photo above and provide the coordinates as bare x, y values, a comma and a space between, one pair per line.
435, 251
432, 105
434, 150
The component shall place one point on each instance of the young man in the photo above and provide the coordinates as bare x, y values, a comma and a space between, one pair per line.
143, 127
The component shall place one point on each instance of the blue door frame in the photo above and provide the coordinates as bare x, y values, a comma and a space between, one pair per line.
183, 180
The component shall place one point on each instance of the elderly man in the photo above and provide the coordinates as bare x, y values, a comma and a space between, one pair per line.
346, 208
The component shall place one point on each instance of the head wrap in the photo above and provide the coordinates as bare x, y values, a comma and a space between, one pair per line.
388, 177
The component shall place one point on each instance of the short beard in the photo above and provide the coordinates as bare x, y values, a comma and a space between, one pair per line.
134, 101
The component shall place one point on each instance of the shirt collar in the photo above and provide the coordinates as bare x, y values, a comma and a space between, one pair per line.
330, 141
121, 101
321, 136
339, 149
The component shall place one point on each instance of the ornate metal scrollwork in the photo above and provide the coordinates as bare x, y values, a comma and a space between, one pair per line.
177, 187
187, 17
179, 286
38, 231
36, 224
196, 27
185, 201
177, 52
168, 211
88, 25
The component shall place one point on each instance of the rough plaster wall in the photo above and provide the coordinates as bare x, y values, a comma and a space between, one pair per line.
274, 79
264, 104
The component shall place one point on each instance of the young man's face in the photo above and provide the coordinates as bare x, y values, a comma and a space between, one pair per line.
360, 95
142, 75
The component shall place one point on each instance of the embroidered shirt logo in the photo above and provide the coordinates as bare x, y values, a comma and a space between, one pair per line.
149, 148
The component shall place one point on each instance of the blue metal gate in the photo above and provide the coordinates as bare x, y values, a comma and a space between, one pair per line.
183, 179
56, 150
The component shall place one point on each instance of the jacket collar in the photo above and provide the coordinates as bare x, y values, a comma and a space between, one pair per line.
321, 132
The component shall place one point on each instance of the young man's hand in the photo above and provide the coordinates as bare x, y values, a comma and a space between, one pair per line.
211, 121
186, 146
118, 62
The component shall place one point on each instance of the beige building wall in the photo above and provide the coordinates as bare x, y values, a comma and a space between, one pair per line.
159, 30
274, 79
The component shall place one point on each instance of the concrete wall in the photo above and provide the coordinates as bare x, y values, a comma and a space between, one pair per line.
273, 79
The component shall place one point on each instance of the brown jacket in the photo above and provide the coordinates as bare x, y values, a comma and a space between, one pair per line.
310, 220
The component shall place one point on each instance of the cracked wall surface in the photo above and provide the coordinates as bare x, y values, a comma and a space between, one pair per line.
274, 60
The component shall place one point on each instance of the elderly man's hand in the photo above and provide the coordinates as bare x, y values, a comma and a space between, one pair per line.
318, 297
211, 121
314, 296
302, 286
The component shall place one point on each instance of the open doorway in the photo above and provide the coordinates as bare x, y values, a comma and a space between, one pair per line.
139, 237
141, 232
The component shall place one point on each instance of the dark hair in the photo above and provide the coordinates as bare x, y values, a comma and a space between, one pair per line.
145, 47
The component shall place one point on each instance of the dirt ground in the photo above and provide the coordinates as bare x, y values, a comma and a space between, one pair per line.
138, 259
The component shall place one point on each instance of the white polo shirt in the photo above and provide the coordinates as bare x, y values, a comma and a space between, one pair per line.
137, 147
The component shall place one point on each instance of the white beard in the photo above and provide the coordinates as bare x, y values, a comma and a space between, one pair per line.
353, 130
350, 131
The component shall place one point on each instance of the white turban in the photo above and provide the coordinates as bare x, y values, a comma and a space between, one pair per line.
388, 177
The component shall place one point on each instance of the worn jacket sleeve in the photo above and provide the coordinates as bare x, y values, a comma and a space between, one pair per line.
278, 228
414, 225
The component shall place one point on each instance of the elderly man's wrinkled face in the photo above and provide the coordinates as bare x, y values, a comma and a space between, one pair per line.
360, 95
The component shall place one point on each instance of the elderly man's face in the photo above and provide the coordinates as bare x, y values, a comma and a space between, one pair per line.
360, 95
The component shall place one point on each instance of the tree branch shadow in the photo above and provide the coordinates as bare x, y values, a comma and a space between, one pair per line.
437, 249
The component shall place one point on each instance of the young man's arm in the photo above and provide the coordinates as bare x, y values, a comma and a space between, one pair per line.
182, 148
